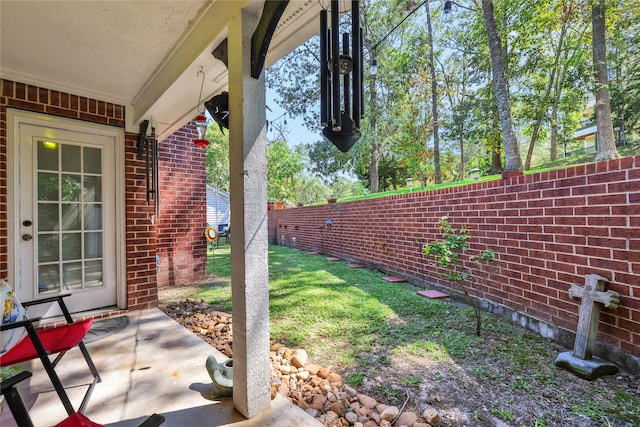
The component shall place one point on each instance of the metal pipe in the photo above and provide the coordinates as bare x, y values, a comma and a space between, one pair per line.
346, 80
335, 64
324, 71
356, 58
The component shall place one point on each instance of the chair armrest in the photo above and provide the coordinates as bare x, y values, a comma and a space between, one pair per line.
153, 421
19, 324
59, 299
44, 300
14, 380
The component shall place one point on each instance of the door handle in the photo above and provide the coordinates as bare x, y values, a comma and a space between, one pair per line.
27, 237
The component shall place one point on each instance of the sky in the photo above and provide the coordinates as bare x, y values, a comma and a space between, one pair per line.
297, 131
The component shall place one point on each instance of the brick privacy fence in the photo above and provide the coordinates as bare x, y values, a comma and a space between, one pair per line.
182, 246
548, 230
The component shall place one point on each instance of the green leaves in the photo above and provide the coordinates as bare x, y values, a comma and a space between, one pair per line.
450, 253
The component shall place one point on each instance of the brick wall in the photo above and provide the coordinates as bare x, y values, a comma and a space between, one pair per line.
140, 235
182, 246
142, 289
548, 230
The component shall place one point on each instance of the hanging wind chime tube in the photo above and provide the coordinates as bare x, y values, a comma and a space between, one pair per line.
341, 100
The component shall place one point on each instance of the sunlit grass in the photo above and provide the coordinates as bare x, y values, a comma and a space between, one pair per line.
353, 321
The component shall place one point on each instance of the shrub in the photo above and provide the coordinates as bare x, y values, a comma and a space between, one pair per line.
450, 252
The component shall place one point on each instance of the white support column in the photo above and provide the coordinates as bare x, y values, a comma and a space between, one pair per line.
248, 182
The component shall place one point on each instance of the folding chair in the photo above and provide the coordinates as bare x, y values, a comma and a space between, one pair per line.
20, 414
58, 340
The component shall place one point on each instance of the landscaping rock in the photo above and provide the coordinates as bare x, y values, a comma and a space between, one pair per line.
351, 418
367, 401
299, 358
315, 389
407, 419
389, 413
432, 417
324, 372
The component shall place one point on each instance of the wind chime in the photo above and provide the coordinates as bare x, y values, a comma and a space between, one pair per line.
148, 149
341, 89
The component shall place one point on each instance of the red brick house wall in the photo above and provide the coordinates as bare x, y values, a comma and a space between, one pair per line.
141, 235
548, 229
182, 246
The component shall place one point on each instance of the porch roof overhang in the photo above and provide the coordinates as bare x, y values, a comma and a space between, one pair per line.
144, 55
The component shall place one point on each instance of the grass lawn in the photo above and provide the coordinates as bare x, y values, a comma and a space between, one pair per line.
356, 323
336, 312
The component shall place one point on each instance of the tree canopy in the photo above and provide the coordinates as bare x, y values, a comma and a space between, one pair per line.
497, 85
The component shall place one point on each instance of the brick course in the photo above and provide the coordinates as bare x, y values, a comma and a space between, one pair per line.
548, 230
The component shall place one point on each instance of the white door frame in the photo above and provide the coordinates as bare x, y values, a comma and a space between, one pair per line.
17, 117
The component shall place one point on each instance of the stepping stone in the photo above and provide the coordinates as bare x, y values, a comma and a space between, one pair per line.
432, 294
393, 279
355, 265
312, 253
332, 258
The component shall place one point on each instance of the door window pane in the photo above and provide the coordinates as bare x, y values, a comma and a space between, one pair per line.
92, 189
71, 188
71, 246
48, 186
92, 217
72, 275
47, 216
69, 241
92, 160
71, 216
48, 247
93, 245
71, 158
48, 278
48, 155
93, 274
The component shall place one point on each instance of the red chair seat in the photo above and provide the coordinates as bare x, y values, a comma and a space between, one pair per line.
78, 420
54, 340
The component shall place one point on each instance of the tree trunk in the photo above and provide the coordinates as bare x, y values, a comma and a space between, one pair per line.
605, 139
554, 132
434, 101
543, 102
462, 159
513, 162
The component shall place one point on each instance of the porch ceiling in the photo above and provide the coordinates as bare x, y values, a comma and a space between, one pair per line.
142, 54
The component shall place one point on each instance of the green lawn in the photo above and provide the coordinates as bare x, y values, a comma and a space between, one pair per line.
356, 323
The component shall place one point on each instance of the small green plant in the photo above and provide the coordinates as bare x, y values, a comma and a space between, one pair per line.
355, 378
392, 394
411, 381
447, 253
503, 414
523, 384
384, 360
540, 422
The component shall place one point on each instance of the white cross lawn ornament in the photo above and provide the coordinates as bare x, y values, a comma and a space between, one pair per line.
593, 297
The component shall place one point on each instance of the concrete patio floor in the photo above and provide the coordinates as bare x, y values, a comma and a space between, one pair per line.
153, 365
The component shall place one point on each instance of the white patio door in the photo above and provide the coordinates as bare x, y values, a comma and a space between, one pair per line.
64, 224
